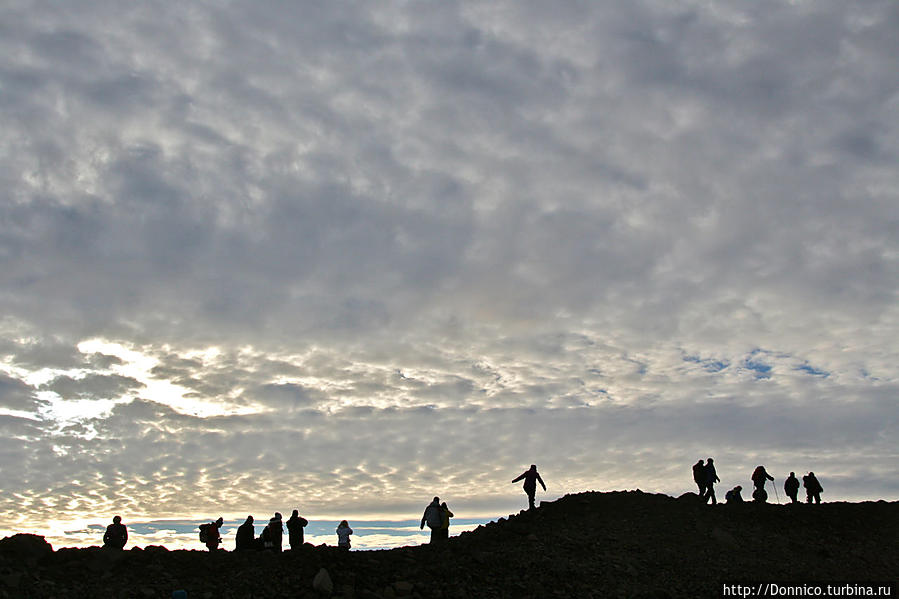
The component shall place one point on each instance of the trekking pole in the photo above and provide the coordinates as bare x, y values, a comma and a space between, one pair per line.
775, 491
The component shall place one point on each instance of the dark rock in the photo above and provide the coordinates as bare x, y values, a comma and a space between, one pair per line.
25, 546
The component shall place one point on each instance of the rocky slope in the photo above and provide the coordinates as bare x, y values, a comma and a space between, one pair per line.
620, 544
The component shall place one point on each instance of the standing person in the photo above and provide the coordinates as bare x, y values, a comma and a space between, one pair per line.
791, 487
245, 538
343, 535
433, 517
531, 477
116, 534
275, 532
699, 477
445, 515
711, 477
759, 477
813, 488
210, 535
295, 525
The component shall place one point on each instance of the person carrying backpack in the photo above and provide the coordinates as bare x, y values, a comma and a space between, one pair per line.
295, 525
813, 488
699, 477
531, 477
210, 535
433, 517
791, 487
116, 534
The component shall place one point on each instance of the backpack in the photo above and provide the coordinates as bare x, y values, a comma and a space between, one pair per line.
434, 517
204, 532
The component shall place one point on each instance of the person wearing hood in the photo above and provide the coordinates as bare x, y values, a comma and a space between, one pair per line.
531, 478
433, 517
791, 487
116, 534
295, 525
759, 477
245, 538
343, 535
275, 531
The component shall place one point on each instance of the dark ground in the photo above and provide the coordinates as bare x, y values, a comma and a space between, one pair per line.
620, 544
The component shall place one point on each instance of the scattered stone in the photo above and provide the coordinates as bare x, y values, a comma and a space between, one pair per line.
322, 582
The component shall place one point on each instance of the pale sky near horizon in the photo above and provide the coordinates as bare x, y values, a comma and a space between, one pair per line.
349, 256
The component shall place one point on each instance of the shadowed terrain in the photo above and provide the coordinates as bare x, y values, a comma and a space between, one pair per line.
618, 544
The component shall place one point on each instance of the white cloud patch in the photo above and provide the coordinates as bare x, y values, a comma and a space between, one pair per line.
356, 257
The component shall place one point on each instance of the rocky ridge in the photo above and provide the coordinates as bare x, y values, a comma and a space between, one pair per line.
618, 544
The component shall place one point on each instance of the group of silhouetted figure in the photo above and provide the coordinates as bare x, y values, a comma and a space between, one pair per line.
705, 477
436, 516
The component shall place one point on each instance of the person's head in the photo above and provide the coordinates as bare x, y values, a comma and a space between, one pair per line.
792, 474
533, 466
249, 519
811, 474
710, 460
220, 521
738, 488
443, 504
296, 513
343, 524
699, 462
435, 500
117, 519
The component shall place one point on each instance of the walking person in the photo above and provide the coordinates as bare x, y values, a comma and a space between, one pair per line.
210, 534
759, 477
433, 517
813, 488
116, 534
531, 478
711, 477
295, 525
343, 535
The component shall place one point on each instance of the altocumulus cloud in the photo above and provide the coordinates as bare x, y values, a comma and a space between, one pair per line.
348, 257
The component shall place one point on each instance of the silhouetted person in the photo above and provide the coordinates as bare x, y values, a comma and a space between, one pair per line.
791, 487
213, 536
343, 535
445, 515
245, 538
531, 478
813, 488
116, 534
433, 517
699, 477
295, 526
759, 495
711, 477
733, 496
275, 532
759, 477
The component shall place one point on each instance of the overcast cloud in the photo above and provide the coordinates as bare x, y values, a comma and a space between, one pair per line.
348, 256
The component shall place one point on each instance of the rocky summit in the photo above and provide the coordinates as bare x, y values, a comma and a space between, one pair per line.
619, 544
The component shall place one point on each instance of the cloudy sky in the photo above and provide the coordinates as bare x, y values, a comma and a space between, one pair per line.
347, 256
